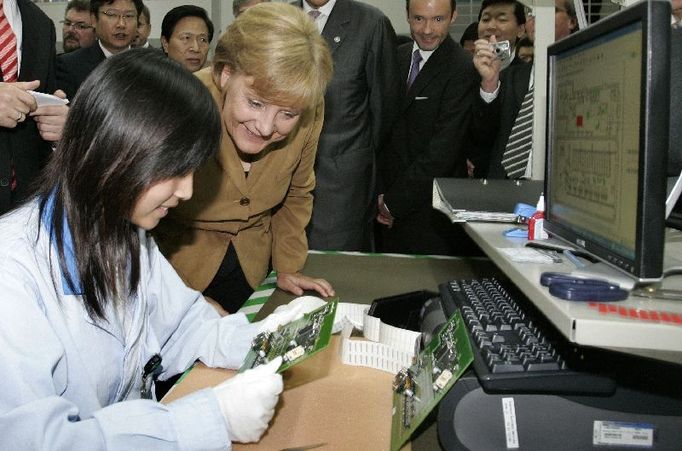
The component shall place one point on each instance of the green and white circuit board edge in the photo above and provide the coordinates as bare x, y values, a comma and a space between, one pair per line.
295, 341
419, 388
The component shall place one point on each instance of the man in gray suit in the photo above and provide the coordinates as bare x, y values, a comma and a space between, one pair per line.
359, 103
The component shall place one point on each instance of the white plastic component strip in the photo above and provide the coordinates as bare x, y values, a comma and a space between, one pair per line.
385, 347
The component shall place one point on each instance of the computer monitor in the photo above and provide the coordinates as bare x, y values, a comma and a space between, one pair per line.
607, 139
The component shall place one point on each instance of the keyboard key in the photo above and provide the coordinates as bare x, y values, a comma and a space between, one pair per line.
513, 352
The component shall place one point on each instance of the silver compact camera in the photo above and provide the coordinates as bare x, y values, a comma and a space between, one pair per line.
502, 52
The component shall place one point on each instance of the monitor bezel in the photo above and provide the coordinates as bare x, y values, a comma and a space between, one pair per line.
647, 265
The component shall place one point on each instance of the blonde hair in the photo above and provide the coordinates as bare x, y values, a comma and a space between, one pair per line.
280, 47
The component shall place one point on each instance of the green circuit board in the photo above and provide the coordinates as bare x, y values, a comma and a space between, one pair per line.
419, 388
295, 341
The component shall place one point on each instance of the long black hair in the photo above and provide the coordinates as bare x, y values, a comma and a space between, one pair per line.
139, 118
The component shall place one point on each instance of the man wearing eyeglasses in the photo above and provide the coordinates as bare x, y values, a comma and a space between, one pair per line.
77, 29
115, 23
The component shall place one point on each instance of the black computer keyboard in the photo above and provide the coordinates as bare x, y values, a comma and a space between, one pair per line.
514, 351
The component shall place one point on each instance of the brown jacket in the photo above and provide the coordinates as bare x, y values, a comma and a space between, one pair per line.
263, 215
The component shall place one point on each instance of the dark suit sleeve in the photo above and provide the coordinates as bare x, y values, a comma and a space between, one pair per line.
51, 77
484, 129
444, 155
382, 79
65, 78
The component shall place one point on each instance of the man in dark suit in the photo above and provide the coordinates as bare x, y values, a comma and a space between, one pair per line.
502, 92
428, 136
359, 104
26, 131
116, 27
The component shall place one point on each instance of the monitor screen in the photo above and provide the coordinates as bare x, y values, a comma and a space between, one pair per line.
607, 135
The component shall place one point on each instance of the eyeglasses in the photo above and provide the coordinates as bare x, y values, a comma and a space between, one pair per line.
77, 25
115, 15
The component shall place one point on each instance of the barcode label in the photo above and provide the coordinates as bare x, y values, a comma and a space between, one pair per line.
623, 434
510, 430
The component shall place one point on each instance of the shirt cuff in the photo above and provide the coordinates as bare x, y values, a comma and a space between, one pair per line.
198, 422
239, 340
488, 97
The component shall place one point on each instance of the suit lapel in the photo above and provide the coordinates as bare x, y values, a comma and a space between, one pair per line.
32, 42
404, 62
337, 26
94, 54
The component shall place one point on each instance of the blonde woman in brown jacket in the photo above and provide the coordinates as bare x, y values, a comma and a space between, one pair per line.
252, 202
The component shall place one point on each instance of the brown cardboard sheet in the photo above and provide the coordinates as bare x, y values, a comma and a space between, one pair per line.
324, 403
327, 405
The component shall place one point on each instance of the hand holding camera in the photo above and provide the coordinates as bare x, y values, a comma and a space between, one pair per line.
502, 51
490, 57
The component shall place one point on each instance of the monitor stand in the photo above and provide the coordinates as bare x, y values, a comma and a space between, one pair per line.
592, 269
603, 271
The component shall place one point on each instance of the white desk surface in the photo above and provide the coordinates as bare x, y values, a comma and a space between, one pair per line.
626, 326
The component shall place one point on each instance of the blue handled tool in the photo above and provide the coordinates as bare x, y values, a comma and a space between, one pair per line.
570, 288
549, 277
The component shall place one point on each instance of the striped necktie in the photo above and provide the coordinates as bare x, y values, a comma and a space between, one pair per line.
520, 144
8, 49
414, 69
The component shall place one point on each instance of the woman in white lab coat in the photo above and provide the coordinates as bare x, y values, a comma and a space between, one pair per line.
90, 311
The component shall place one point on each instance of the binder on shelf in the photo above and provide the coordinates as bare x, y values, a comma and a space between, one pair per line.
465, 200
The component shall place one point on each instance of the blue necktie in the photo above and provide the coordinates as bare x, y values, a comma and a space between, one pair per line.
414, 69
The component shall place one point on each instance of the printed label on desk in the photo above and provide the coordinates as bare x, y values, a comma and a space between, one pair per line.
618, 433
510, 430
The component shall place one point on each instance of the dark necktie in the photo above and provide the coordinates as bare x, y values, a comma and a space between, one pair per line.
520, 144
8, 49
414, 69
314, 14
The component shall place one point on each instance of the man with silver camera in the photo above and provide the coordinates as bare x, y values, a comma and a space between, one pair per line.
502, 113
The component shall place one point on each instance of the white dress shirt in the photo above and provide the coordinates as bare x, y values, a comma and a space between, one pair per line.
324, 10
13, 16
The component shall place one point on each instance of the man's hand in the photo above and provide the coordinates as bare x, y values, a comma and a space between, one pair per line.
51, 119
470, 169
486, 63
295, 283
15, 102
384, 216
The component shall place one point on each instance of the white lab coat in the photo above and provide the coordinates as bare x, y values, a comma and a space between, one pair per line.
69, 383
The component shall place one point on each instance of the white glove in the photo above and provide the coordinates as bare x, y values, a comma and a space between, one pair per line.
247, 401
284, 314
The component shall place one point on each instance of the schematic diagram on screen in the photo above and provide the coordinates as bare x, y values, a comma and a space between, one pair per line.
596, 134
